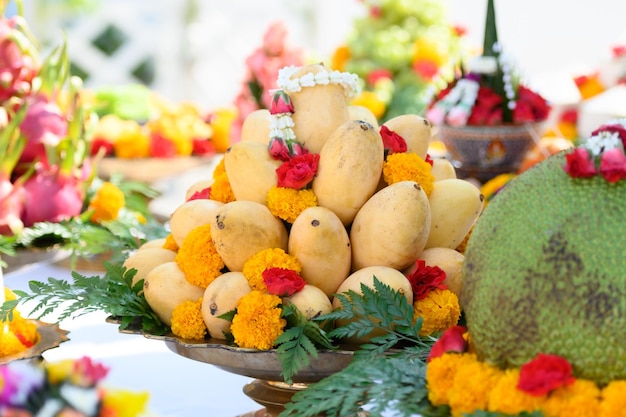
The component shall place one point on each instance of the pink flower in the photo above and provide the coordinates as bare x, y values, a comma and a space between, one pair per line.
579, 164
436, 115
161, 147
451, 340
282, 282
274, 39
613, 165
298, 172
378, 74
44, 125
544, 374
457, 116
88, 373
281, 103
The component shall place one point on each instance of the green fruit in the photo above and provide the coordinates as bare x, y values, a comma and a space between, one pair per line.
545, 272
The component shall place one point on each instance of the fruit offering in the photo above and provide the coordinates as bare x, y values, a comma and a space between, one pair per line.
324, 204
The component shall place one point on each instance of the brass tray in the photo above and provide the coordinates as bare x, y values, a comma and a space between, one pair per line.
25, 258
50, 336
253, 363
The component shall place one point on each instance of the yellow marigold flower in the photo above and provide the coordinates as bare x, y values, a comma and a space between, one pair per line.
613, 400
258, 321
491, 187
580, 399
197, 257
107, 203
440, 373
124, 403
268, 258
170, 243
340, 56
9, 343
408, 166
372, 101
471, 387
132, 142
221, 189
287, 203
24, 327
506, 398
187, 320
59, 371
439, 311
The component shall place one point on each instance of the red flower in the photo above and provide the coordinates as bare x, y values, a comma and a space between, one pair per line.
616, 128
203, 194
203, 147
543, 374
613, 165
298, 172
378, 74
281, 103
451, 340
429, 159
426, 278
392, 141
282, 282
530, 107
487, 109
161, 147
88, 373
579, 164
425, 68
101, 145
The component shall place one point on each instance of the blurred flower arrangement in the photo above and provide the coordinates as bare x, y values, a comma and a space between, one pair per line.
47, 177
262, 68
17, 334
400, 49
70, 388
489, 92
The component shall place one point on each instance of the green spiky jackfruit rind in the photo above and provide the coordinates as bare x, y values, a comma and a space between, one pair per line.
545, 272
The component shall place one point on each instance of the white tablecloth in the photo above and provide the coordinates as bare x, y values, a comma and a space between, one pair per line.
178, 387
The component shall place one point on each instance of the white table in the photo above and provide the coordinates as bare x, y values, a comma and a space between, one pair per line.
178, 387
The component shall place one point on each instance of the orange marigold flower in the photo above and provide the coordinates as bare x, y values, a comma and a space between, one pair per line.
258, 321
613, 402
472, 384
440, 373
132, 141
187, 320
287, 203
197, 257
170, 243
580, 399
10, 344
506, 398
439, 311
268, 258
221, 189
107, 203
408, 166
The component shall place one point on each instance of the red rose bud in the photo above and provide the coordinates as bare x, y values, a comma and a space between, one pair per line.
426, 278
451, 340
281, 103
282, 282
279, 150
544, 374
613, 165
298, 172
392, 141
579, 164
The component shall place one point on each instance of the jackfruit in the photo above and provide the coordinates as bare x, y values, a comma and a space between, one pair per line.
544, 272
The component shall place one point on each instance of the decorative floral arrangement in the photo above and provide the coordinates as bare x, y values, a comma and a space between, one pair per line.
18, 333
399, 50
65, 388
262, 68
600, 154
489, 92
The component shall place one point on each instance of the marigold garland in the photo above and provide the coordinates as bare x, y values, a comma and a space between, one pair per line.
197, 257
268, 258
257, 322
439, 311
106, 203
187, 320
408, 166
287, 203
466, 384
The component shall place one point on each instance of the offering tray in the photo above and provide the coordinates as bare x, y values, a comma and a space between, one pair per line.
268, 387
50, 336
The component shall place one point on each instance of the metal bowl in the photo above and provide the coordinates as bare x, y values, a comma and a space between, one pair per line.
50, 336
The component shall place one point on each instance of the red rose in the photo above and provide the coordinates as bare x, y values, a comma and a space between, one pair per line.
281, 103
392, 141
279, 150
543, 374
161, 147
282, 282
298, 172
486, 110
530, 106
450, 341
613, 165
203, 147
426, 278
579, 164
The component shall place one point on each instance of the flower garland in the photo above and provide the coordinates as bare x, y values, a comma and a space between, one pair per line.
349, 81
64, 388
601, 154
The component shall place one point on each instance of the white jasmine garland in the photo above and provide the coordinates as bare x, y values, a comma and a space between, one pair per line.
281, 126
349, 81
601, 142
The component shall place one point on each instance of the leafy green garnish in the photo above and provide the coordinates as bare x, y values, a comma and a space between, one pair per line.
112, 293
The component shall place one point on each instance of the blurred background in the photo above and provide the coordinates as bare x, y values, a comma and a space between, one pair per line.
196, 49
